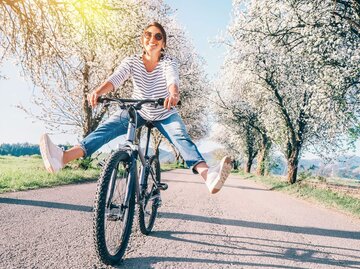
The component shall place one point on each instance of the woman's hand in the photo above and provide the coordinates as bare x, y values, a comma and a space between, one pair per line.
92, 98
103, 89
171, 100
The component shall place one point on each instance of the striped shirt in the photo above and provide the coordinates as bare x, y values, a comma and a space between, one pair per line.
148, 85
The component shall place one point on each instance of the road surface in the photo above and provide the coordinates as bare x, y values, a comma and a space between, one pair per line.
243, 226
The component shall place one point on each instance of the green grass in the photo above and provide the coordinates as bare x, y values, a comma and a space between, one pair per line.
28, 172
25, 173
170, 166
330, 198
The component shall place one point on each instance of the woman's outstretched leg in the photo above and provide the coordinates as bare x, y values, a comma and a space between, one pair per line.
174, 130
55, 158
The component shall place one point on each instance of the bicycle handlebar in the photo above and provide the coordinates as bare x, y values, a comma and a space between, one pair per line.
137, 102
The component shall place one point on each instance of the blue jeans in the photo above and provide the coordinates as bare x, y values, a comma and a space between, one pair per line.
173, 128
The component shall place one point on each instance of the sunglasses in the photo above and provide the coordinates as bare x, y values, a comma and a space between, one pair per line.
157, 36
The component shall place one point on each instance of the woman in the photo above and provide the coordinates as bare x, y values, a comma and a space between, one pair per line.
154, 75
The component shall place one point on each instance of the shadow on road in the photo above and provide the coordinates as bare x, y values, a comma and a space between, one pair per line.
47, 204
180, 216
148, 262
256, 247
264, 226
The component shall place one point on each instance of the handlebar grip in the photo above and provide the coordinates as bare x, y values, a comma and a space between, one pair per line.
162, 100
101, 99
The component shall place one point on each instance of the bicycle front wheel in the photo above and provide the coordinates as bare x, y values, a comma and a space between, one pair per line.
113, 212
151, 198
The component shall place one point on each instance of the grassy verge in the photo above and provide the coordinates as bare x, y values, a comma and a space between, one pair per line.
170, 166
25, 173
329, 197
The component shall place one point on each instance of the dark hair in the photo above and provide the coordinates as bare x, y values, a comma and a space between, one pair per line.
160, 27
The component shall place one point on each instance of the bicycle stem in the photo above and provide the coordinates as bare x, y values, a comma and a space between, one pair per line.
131, 131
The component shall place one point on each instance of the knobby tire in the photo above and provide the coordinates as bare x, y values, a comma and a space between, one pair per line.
117, 159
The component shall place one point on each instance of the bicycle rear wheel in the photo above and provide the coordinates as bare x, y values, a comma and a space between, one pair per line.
113, 218
151, 198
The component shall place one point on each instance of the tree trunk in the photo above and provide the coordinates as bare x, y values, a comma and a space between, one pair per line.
156, 141
260, 168
157, 148
292, 172
177, 157
157, 151
182, 161
177, 154
87, 124
263, 156
293, 162
235, 164
138, 134
248, 165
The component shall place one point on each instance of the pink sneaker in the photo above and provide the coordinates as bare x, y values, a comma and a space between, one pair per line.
217, 175
51, 154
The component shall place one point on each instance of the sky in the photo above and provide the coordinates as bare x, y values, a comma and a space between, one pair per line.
203, 20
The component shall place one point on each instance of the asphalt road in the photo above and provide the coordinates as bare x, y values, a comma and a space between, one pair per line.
243, 226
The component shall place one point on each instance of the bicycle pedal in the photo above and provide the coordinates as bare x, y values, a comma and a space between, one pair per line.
158, 202
156, 196
112, 217
162, 186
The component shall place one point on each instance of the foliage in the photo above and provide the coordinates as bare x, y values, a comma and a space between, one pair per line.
297, 66
19, 149
73, 48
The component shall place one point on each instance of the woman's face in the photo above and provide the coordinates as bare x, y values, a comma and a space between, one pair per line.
153, 40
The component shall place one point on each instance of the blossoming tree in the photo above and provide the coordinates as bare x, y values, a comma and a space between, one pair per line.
300, 63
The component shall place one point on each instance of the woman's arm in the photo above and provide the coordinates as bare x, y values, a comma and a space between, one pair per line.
113, 82
172, 81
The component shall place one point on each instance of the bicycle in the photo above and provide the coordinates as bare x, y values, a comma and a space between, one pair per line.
121, 186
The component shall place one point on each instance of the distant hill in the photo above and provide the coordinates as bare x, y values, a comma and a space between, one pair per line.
344, 166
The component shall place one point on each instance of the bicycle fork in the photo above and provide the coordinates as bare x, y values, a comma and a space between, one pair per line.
131, 177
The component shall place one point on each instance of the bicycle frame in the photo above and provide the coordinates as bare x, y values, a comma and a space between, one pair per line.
136, 153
